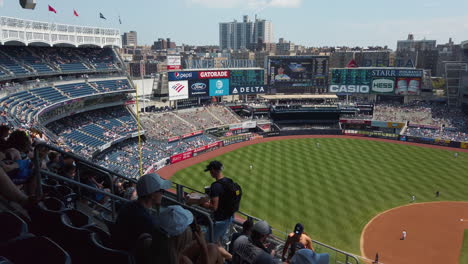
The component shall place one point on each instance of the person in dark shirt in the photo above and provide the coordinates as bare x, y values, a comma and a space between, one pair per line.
251, 249
135, 217
216, 203
246, 231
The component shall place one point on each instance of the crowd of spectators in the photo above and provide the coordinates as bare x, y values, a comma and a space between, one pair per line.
448, 123
170, 124
103, 124
122, 158
440, 133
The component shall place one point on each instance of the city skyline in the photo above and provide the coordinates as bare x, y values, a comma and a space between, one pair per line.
196, 22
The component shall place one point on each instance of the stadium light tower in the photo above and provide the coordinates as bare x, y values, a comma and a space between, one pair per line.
28, 4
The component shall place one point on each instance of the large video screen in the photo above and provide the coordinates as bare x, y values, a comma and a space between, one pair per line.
298, 71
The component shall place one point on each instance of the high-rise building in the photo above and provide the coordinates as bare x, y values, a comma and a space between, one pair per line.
422, 54
246, 34
129, 39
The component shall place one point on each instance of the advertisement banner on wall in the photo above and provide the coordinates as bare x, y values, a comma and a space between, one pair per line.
408, 86
235, 126
379, 124
209, 146
249, 124
181, 157
198, 88
395, 125
196, 133
213, 74
380, 80
383, 85
362, 89
182, 75
174, 63
464, 145
178, 90
219, 87
172, 139
355, 121
254, 89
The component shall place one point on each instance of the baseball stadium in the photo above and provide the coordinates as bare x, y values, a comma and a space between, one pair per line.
370, 160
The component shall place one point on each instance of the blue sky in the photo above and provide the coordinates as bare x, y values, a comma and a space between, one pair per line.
306, 22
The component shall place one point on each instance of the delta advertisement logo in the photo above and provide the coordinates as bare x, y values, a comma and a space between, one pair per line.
247, 89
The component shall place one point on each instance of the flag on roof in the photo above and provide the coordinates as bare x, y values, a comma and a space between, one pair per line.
120, 21
51, 9
75, 13
102, 16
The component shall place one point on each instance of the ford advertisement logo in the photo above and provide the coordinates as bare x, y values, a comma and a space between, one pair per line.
198, 86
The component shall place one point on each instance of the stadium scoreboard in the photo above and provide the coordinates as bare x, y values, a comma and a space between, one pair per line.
351, 76
246, 77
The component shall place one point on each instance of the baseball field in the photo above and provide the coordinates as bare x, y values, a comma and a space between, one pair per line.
335, 186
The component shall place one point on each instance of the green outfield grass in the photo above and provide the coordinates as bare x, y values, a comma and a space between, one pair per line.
337, 188
464, 250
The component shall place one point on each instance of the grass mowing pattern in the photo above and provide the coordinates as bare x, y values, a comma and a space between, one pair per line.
337, 188
464, 249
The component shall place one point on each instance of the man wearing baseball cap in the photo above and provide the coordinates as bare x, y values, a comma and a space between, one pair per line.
135, 217
296, 240
252, 249
219, 200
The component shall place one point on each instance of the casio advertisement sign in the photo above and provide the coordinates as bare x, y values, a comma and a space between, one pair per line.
198, 87
363, 89
179, 76
383, 85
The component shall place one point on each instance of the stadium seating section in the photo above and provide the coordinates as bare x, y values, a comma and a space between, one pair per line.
19, 62
87, 132
25, 104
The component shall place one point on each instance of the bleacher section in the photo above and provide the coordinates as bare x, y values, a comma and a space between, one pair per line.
24, 105
28, 57
20, 61
87, 132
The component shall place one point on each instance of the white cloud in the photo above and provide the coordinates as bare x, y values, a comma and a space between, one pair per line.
251, 4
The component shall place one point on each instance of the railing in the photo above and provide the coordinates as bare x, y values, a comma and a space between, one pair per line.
38, 173
336, 255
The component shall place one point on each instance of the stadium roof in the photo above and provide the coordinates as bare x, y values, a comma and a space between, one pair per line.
298, 96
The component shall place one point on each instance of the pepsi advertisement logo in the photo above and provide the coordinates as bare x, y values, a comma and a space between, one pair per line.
198, 88
182, 75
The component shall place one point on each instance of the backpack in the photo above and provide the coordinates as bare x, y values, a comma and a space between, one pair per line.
231, 197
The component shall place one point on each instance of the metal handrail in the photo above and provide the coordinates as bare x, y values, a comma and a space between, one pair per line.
38, 172
180, 197
82, 160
